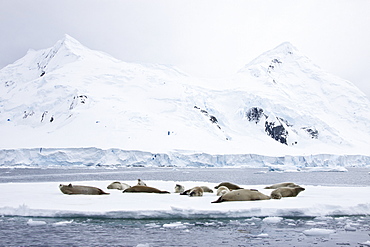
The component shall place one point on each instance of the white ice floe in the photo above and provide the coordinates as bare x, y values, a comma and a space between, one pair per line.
367, 243
318, 232
46, 200
62, 223
272, 220
31, 222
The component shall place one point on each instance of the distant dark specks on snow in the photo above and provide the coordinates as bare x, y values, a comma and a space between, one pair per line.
212, 118
254, 114
78, 99
43, 115
9, 83
278, 132
314, 133
28, 114
274, 129
272, 65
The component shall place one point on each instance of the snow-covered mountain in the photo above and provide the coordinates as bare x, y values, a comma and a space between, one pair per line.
69, 96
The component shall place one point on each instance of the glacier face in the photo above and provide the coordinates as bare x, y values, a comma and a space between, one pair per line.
278, 105
95, 157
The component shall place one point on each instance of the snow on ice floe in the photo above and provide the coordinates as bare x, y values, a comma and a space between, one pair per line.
31, 222
318, 232
46, 200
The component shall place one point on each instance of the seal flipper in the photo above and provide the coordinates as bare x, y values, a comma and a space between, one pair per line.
218, 200
164, 192
103, 193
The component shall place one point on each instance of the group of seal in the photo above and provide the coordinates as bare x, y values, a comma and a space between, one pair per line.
285, 190
226, 191
89, 190
237, 193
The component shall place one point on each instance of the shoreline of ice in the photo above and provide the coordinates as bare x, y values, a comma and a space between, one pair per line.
87, 157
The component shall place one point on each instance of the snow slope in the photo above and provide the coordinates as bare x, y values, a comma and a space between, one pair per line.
50, 202
279, 104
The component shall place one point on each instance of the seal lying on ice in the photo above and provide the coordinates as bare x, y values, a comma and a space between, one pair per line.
222, 190
286, 192
196, 191
81, 190
179, 188
144, 189
275, 186
118, 186
204, 188
242, 195
141, 182
228, 185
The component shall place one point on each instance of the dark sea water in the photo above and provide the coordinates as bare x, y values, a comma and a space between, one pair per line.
252, 231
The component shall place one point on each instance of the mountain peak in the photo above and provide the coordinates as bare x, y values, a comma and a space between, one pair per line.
69, 43
262, 65
285, 48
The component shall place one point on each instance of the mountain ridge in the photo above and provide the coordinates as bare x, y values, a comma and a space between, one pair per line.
96, 100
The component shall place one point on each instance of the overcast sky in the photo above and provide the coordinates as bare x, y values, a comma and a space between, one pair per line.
208, 38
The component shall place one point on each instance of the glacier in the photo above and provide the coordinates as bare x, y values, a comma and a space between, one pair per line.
70, 105
115, 158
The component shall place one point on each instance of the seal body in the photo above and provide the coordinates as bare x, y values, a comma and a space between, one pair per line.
222, 190
286, 192
230, 186
118, 186
206, 189
81, 190
275, 186
179, 188
242, 195
144, 189
196, 191
140, 182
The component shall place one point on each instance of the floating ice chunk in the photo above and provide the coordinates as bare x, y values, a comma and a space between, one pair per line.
31, 222
272, 220
143, 245
348, 227
174, 225
152, 225
62, 223
318, 232
367, 243
262, 235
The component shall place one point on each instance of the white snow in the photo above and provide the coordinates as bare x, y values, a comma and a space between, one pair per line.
46, 200
89, 99
318, 232
367, 243
31, 222
272, 220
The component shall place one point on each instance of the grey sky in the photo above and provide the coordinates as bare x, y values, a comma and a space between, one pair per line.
206, 38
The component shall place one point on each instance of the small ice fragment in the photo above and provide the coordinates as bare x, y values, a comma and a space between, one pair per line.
272, 220
318, 232
31, 222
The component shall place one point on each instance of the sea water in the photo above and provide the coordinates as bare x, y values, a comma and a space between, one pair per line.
251, 231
